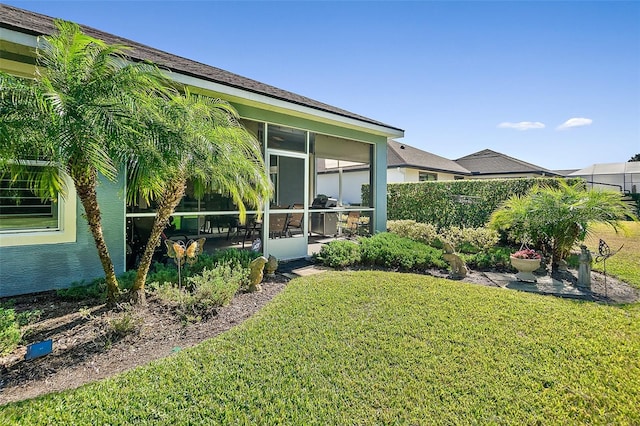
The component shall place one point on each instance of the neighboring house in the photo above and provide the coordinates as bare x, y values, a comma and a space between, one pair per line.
488, 164
623, 177
404, 164
293, 129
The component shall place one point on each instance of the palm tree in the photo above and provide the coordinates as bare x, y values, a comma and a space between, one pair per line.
79, 115
198, 139
554, 219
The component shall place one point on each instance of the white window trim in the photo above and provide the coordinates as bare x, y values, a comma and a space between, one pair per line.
66, 220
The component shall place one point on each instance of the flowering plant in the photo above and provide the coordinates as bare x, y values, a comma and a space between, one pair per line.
526, 254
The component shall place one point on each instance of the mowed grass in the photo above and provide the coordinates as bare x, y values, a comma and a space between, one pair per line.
382, 348
625, 264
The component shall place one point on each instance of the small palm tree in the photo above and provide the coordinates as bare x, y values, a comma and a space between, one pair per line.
198, 139
555, 218
79, 115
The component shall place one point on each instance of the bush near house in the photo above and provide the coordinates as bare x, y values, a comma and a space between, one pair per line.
385, 249
463, 203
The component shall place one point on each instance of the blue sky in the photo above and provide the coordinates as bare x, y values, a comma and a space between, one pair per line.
553, 83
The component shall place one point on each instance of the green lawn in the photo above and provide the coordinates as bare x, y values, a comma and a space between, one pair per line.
626, 263
383, 348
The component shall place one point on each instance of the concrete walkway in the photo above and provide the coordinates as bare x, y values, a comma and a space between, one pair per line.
544, 285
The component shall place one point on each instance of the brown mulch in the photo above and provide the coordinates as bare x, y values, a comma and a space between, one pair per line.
86, 348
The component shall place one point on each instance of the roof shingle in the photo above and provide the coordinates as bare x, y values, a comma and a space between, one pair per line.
491, 162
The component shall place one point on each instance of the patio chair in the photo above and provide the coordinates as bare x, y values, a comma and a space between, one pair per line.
277, 225
294, 220
354, 224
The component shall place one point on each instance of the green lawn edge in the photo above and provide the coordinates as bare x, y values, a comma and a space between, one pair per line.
382, 348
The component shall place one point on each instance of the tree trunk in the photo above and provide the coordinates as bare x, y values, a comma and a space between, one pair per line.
166, 206
86, 189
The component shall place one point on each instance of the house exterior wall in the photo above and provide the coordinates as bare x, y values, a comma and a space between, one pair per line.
35, 268
400, 175
352, 182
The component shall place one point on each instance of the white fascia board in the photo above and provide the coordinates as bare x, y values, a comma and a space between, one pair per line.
241, 95
18, 37
244, 95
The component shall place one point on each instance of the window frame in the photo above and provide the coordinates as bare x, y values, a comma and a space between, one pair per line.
66, 230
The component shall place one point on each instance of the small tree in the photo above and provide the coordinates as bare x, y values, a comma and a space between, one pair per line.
555, 219
199, 139
635, 158
78, 115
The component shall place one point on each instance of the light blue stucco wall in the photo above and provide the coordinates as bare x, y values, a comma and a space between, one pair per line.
35, 268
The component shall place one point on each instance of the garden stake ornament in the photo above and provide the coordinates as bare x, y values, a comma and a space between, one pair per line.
605, 253
181, 252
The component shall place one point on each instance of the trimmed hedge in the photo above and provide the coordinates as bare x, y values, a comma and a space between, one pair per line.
463, 203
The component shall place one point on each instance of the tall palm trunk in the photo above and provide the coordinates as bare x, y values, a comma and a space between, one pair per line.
167, 204
86, 188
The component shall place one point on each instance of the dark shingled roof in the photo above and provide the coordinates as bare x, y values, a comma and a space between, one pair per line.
36, 24
402, 155
488, 162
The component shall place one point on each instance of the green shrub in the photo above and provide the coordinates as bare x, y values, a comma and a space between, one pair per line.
231, 255
203, 293
555, 218
162, 274
124, 323
216, 287
496, 258
463, 203
28, 317
423, 232
96, 289
470, 240
81, 290
339, 254
392, 251
9, 331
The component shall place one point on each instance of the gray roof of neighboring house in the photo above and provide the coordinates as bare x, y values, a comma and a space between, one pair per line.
488, 162
402, 155
36, 24
565, 172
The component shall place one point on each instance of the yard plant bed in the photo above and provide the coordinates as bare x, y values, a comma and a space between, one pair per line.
378, 347
86, 348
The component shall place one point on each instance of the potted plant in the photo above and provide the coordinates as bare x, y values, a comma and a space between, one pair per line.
526, 261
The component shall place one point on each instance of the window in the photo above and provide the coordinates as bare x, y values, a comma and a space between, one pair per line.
426, 176
27, 219
21, 209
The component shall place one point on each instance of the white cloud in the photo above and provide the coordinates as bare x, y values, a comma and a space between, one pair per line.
575, 122
523, 125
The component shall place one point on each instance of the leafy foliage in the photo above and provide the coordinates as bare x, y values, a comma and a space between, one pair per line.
10, 334
339, 254
204, 292
392, 251
463, 203
554, 219
495, 258
423, 232
80, 115
464, 240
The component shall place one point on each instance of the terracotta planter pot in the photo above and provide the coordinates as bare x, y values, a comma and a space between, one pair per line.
525, 268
